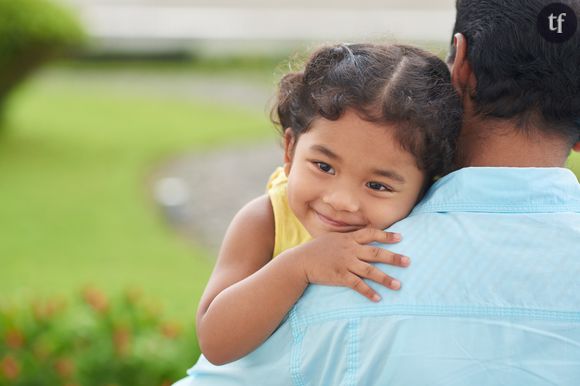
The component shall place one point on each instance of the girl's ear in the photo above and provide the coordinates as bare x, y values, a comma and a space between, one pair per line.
289, 142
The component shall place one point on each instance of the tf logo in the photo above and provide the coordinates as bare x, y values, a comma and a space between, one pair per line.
557, 22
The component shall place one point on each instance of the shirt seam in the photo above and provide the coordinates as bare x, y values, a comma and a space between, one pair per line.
352, 356
435, 208
297, 338
438, 311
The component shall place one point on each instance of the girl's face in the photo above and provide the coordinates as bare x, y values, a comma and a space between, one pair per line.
349, 174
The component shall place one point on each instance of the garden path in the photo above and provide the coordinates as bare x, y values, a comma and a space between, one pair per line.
199, 193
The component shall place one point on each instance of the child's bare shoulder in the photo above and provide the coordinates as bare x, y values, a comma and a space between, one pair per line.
252, 229
258, 211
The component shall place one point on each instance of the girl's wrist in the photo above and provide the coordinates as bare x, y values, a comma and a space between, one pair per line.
293, 265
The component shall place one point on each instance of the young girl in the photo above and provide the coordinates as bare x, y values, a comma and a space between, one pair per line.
366, 129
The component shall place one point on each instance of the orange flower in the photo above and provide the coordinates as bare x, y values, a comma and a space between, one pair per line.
14, 338
10, 367
171, 330
64, 367
121, 340
96, 299
43, 310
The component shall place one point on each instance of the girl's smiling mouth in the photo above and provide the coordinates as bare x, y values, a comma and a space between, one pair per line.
339, 225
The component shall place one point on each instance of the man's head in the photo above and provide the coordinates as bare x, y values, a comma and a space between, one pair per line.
511, 72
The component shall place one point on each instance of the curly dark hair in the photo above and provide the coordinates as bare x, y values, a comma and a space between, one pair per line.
400, 85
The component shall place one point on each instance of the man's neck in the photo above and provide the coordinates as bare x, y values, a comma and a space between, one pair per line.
496, 144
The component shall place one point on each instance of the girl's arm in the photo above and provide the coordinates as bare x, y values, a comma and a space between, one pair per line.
248, 293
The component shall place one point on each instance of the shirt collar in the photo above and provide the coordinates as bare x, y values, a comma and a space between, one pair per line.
503, 190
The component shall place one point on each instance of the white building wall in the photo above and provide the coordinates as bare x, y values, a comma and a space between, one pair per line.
173, 24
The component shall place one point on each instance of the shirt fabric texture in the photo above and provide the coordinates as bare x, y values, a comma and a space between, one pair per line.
288, 230
492, 297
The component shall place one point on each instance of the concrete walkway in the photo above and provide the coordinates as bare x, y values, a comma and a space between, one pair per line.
201, 193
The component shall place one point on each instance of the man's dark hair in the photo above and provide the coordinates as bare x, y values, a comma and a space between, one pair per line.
519, 74
394, 84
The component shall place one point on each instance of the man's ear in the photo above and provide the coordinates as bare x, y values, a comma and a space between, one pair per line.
289, 142
462, 76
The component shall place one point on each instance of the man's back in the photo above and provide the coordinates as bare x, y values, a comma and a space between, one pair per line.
492, 297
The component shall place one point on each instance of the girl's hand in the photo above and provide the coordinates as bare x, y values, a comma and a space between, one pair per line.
343, 259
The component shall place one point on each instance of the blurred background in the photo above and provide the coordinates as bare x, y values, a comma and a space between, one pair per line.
131, 131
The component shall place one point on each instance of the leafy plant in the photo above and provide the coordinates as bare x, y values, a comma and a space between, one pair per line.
94, 342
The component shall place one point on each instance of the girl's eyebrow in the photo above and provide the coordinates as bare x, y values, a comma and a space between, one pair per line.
326, 151
387, 173
391, 174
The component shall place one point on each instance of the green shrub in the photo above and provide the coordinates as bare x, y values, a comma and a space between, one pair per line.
31, 33
94, 342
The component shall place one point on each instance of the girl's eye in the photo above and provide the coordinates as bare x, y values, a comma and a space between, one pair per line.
378, 186
326, 168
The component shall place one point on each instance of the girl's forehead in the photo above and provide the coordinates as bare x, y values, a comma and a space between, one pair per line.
351, 132
353, 140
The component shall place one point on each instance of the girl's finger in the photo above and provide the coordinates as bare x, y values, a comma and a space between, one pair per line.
372, 254
368, 235
368, 271
356, 283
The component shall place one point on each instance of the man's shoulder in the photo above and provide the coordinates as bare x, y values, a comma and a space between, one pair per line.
503, 190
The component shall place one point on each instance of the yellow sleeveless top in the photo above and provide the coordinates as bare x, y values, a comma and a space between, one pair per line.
289, 231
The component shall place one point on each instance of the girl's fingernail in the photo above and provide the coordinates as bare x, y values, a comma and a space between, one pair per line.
376, 298
405, 260
395, 284
396, 237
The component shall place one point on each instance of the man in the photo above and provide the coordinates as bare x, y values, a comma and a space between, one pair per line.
492, 296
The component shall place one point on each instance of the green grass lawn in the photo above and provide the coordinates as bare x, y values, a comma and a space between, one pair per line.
75, 208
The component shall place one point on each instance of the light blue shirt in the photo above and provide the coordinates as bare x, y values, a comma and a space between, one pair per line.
492, 297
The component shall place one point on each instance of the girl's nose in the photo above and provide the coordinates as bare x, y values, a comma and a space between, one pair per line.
341, 200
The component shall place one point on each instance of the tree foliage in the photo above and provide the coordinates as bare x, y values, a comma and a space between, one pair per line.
31, 33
